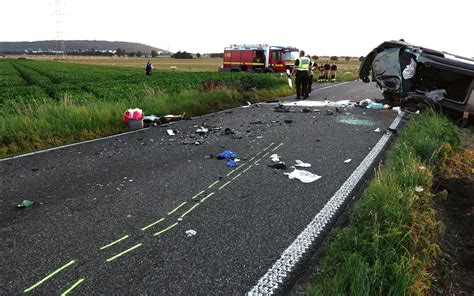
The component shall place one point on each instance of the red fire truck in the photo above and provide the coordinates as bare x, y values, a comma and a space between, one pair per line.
261, 58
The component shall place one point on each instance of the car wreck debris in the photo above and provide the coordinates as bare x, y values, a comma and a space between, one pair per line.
409, 74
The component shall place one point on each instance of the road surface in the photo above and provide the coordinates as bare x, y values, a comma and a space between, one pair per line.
148, 213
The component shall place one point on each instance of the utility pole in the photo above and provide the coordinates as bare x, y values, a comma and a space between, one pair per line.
58, 13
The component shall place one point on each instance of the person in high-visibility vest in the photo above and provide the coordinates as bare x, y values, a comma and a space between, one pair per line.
301, 69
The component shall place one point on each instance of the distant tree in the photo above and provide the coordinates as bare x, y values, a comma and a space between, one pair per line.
182, 55
198, 55
361, 59
120, 52
139, 53
347, 59
333, 58
154, 53
131, 54
217, 55
315, 57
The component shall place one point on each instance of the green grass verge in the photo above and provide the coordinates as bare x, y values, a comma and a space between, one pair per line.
48, 124
388, 247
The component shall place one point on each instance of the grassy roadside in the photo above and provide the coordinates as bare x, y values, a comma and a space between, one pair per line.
390, 243
44, 125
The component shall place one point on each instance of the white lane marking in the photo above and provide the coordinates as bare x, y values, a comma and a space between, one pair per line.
271, 282
73, 144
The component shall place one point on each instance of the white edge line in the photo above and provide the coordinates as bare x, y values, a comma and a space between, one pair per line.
271, 282
73, 144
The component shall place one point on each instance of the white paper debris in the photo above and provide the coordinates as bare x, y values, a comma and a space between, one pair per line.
303, 176
377, 130
419, 189
191, 232
275, 157
170, 132
348, 160
299, 163
202, 130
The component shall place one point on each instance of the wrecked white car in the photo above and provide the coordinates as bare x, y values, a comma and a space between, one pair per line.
408, 73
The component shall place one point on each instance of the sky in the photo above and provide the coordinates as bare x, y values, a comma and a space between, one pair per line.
333, 27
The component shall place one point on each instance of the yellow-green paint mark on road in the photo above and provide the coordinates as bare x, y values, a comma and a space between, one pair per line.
166, 229
124, 252
50, 276
152, 224
72, 287
177, 208
114, 242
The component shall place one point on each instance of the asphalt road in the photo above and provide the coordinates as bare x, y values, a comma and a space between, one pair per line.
110, 217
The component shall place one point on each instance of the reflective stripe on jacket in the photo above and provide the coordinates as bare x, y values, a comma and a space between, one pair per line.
303, 64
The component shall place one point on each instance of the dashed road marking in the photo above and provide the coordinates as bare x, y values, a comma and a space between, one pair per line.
72, 287
209, 195
166, 229
236, 176
177, 208
188, 211
225, 184
198, 194
50, 276
124, 252
210, 186
152, 224
114, 242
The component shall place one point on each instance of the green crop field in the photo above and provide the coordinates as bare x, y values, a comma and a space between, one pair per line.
50, 103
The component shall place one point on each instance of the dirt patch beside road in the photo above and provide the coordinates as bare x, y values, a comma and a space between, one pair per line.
454, 268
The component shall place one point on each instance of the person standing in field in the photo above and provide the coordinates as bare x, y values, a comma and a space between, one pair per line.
148, 68
301, 69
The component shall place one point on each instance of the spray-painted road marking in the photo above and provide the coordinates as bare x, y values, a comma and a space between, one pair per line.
268, 147
257, 161
266, 154
247, 169
198, 194
236, 176
210, 186
72, 287
152, 224
209, 195
188, 211
114, 242
124, 252
177, 208
230, 173
278, 146
50, 276
225, 184
166, 229
250, 160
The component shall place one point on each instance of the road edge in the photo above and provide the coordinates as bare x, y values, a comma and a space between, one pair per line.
278, 277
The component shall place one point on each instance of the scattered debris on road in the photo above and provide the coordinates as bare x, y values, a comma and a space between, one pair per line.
299, 163
190, 232
377, 130
303, 176
348, 160
25, 204
170, 132
226, 154
275, 158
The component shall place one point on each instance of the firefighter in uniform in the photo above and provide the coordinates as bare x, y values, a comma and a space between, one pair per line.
312, 66
301, 69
